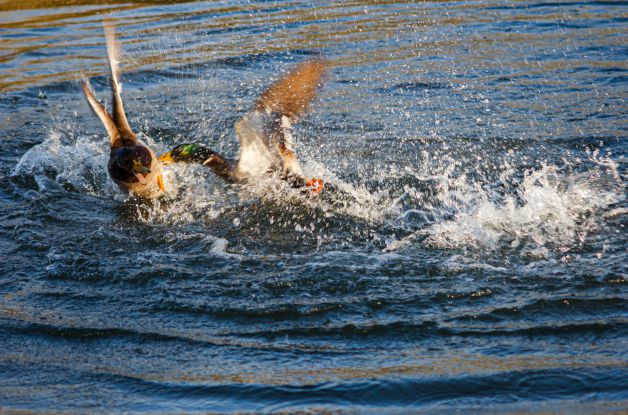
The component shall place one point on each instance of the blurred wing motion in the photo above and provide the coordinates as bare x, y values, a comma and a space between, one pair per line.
265, 133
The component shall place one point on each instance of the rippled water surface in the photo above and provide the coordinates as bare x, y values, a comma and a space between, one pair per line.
470, 257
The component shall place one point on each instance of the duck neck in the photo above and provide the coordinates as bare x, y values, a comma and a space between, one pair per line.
221, 166
200, 154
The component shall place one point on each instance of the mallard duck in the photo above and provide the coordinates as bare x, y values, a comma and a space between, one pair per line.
265, 133
132, 165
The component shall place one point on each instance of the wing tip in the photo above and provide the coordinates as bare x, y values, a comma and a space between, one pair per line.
292, 94
113, 50
86, 86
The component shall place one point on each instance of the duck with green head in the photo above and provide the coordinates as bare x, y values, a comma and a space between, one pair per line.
265, 133
132, 165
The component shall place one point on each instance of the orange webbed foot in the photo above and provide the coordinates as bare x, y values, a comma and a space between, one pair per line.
315, 185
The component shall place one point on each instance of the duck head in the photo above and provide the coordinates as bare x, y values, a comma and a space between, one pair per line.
187, 153
131, 164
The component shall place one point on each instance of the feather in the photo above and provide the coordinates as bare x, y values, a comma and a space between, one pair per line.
292, 94
255, 156
101, 112
113, 55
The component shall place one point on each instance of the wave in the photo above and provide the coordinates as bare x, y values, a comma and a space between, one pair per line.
549, 209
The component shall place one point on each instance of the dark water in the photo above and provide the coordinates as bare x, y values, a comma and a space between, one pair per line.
473, 258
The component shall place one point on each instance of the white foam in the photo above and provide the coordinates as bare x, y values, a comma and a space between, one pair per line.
78, 162
548, 209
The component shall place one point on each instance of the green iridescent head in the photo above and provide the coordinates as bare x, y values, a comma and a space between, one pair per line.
187, 153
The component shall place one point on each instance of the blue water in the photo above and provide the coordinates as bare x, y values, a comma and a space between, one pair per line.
471, 257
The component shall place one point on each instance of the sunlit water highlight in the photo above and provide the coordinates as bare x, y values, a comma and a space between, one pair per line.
469, 254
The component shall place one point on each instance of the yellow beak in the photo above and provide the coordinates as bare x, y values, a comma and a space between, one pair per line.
166, 158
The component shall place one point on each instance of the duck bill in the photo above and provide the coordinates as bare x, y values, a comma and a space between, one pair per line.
139, 171
166, 158
140, 177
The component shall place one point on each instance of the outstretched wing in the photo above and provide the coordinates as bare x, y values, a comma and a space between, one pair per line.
101, 112
292, 94
113, 55
265, 133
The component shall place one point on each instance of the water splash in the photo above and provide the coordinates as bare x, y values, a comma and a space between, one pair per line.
76, 163
548, 209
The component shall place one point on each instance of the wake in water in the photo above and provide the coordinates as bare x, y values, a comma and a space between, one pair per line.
547, 209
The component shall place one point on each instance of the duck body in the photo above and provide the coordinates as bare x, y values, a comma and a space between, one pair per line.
132, 165
265, 133
231, 170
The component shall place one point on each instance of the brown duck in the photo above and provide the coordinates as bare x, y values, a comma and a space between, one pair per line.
132, 165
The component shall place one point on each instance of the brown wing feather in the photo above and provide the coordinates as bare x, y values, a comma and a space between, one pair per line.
292, 94
113, 54
101, 112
